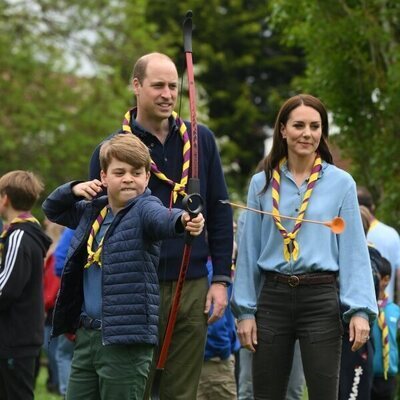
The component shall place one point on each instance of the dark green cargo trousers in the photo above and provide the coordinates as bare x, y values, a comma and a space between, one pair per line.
114, 372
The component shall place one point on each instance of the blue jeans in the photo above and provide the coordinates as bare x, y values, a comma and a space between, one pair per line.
50, 347
64, 353
245, 380
296, 378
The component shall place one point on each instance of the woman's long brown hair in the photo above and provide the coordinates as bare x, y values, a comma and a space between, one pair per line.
279, 148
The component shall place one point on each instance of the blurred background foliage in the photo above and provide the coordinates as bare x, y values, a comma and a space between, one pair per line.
65, 69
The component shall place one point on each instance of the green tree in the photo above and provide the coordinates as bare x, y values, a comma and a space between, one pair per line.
54, 114
242, 68
52, 117
353, 63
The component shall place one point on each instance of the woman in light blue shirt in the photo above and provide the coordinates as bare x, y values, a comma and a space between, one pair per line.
286, 279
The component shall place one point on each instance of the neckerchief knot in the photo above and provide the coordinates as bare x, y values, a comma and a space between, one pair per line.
177, 187
290, 245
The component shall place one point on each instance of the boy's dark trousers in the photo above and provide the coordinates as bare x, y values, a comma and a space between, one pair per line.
383, 389
17, 377
356, 371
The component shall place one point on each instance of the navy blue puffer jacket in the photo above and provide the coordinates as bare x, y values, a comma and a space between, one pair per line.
130, 257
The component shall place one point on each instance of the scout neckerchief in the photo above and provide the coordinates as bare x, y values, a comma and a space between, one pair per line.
385, 335
177, 188
373, 224
94, 256
24, 217
290, 245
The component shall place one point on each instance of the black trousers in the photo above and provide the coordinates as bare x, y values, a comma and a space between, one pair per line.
17, 377
356, 371
311, 314
383, 389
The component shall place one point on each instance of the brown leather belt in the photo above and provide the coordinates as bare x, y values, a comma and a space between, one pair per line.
303, 279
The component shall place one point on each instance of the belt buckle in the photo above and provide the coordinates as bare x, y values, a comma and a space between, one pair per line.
95, 324
293, 281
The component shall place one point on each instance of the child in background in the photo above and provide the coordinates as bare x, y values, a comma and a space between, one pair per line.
66, 342
51, 285
384, 332
23, 248
356, 368
217, 380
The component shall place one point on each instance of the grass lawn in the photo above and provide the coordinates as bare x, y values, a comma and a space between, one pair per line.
41, 392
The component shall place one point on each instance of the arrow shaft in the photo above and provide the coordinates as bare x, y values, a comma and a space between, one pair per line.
278, 215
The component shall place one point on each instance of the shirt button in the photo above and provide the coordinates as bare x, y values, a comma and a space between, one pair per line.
165, 159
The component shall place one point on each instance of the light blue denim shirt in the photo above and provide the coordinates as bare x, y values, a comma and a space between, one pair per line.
261, 244
93, 277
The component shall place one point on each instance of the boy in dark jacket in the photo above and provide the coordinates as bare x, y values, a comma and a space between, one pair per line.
109, 287
23, 247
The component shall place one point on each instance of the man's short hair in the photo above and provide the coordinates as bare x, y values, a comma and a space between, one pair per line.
126, 148
365, 198
139, 69
23, 189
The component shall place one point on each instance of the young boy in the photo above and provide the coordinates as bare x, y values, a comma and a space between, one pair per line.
384, 332
109, 287
23, 247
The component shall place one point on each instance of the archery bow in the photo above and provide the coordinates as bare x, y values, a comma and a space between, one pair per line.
193, 202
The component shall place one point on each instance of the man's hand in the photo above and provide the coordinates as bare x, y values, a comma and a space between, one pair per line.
358, 332
247, 332
217, 296
89, 190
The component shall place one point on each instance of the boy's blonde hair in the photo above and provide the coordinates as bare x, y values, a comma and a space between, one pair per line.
126, 148
23, 189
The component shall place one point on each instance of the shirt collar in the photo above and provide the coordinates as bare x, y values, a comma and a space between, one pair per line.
286, 172
142, 133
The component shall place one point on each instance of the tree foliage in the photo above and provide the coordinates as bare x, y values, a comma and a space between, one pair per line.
353, 63
65, 69
52, 117
243, 69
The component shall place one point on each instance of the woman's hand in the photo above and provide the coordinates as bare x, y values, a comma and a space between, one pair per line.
358, 332
247, 332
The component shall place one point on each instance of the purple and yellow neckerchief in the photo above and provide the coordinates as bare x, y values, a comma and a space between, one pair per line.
23, 217
385, 334
94, 257
177, 188
290, 245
